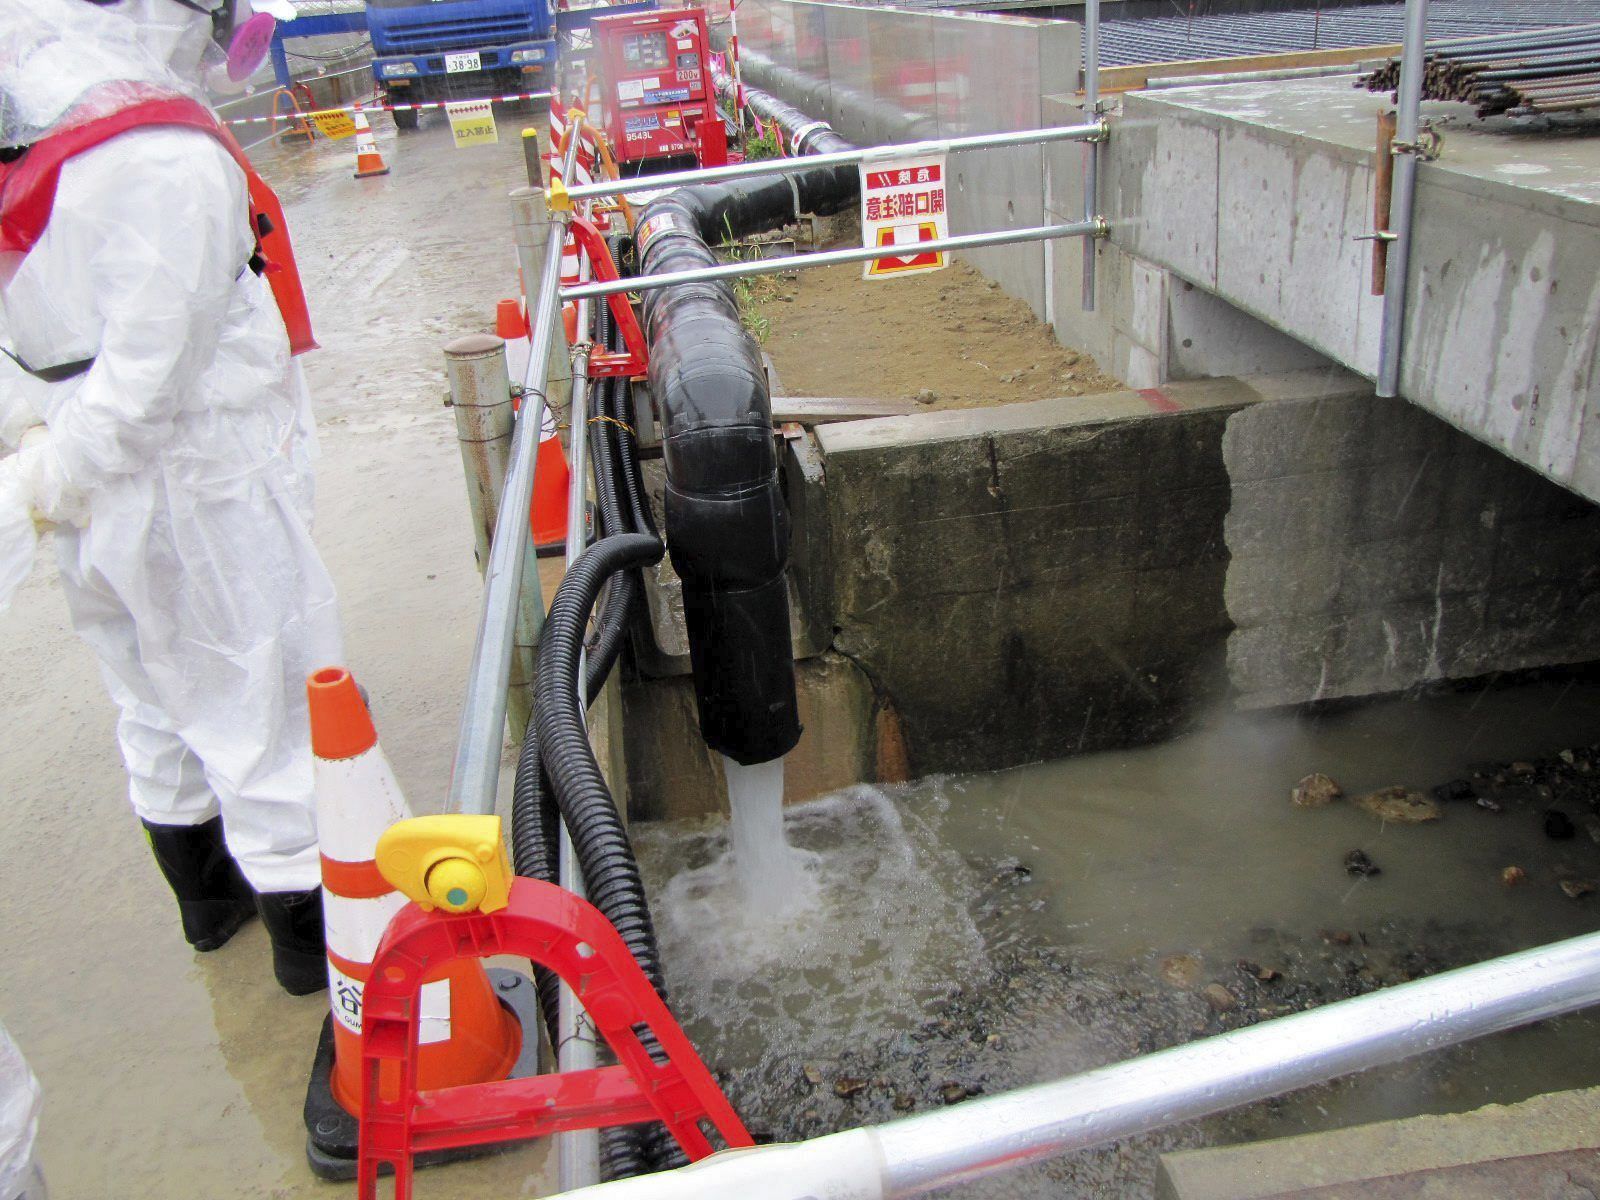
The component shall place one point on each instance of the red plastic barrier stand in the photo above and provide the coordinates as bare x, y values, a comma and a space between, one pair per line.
555, 929
636, 360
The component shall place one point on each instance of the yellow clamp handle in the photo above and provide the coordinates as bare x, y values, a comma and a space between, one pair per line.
455, 862
556, 198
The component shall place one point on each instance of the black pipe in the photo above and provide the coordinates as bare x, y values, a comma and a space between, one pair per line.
599, 840
727, 525
624, 588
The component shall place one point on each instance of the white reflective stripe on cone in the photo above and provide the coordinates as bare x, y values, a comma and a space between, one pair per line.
345, 994
355, 927
357, 799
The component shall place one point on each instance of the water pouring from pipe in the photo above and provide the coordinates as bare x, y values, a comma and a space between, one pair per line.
770, 873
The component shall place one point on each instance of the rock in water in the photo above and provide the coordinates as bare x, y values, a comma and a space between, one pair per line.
1180, 970
1314, 791
1220, 998
1558, 825
1359, 863
1400, 805
1576, 889
1512, 876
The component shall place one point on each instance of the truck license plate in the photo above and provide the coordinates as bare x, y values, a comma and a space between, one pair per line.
462, 62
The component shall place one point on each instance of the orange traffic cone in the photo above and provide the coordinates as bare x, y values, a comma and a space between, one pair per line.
368, 161
547, 516
511, 325
467, 1035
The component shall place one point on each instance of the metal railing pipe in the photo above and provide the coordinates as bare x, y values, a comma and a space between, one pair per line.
987, 1136
577, 1152
1391, 335
838, 158
475, 775
1091, 150
826, 258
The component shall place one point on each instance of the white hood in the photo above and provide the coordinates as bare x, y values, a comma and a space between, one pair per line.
54, 52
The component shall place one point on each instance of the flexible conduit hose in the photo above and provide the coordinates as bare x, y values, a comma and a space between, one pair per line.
536, 813
599, 838
727, 524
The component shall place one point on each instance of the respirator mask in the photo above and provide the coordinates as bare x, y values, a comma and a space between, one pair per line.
240, 35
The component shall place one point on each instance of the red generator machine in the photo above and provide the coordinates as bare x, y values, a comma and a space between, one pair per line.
657, 104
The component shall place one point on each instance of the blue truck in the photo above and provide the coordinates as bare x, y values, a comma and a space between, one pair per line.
431, 50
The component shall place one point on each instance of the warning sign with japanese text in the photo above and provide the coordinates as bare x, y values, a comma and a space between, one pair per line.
334, 123
903, 203
472, 123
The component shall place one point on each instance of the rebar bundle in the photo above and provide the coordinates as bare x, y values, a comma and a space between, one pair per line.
1526, 74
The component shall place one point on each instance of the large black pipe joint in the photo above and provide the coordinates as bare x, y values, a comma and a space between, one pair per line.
727, 525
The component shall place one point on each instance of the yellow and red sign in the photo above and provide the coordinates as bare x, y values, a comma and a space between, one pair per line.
335, 124
903, 204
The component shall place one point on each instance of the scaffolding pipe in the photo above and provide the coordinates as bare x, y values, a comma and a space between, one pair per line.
987, 1136
1091, 149
778, 264
1407, 121
475, 775
578, 1151
838, 158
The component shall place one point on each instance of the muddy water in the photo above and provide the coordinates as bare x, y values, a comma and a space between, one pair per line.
977, 933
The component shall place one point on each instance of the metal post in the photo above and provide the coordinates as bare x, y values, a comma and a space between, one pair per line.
532, 158
838, 158
990, 1135
1091, 150
1397, 273
480, 395
529, 217
824, 258
475, 775
578, 1152
733, 52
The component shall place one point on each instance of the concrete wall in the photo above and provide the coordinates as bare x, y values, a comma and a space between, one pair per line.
994, 586
1373, 547
1043, 579
882, 75
1256, 194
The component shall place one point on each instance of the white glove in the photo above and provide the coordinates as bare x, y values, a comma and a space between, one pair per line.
42, 484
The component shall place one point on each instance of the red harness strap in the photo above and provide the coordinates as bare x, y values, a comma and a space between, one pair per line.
28, 193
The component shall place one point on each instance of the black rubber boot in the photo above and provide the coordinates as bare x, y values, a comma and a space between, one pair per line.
299, 954
213, 898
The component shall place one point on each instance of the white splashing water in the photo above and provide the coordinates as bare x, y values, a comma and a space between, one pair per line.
771, 874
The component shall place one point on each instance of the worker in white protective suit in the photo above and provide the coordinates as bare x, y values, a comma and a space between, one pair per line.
20, 1176
164, 429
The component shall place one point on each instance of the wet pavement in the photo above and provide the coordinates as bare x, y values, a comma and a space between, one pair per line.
170, 1074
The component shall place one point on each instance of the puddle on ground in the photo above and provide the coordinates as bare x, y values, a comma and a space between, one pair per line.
971, 934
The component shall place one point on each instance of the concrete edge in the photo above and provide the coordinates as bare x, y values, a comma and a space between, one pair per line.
1067, 411
1440, 173
1552, 1123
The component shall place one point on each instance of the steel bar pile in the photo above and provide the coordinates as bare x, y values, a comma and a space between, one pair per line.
1529, 74
1301, 27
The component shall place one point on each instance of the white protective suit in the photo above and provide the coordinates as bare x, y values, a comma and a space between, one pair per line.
20, 1177
187, 444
